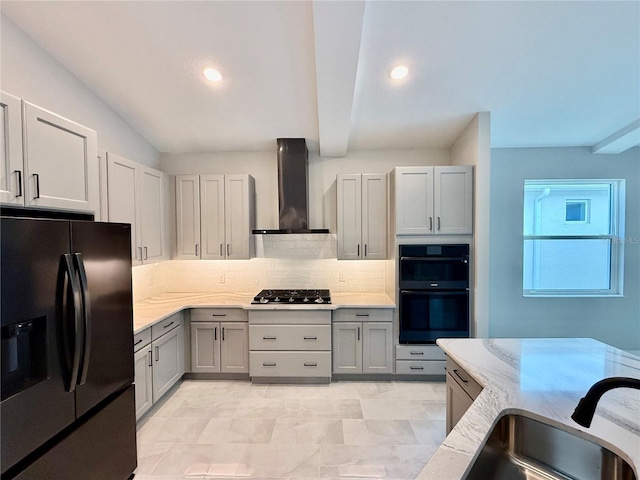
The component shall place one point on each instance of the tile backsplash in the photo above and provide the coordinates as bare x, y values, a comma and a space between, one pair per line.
283, 261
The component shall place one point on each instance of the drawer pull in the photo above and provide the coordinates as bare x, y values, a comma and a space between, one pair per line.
416, 368
455, 370
268, 364
362, 314
168, 325
314, 364
310, 338
139, 341
417, 353
268, 338
218, 314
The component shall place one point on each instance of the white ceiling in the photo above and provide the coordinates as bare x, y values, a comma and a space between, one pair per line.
552, 73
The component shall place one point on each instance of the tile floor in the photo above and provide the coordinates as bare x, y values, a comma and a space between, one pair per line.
345, 430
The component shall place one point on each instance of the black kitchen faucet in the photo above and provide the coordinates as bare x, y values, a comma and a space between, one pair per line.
586, 408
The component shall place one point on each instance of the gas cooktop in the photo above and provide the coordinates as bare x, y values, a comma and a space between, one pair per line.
293, 297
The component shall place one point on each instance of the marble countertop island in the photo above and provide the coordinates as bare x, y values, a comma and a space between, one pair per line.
156, 309
543, 379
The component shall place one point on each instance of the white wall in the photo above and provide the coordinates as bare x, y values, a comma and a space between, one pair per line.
615, 321
31, 73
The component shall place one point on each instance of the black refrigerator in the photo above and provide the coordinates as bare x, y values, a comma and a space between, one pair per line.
68, 406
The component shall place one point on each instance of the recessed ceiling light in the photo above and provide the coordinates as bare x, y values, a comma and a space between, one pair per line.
399, 72
212, 74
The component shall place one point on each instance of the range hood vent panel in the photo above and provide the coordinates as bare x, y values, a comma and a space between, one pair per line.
293, 188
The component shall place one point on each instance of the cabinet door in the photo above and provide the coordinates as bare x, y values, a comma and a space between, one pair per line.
453, 201
234, 348
143, 380
151, 214
239, 215
377, 349
374, 216
11, 172
458, 402
349, 201
414, 200
60, 162
188, 216
167, 362
122, 194
347, 347
205, 347
212, 217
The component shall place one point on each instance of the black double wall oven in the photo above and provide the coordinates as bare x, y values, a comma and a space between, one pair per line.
434, 292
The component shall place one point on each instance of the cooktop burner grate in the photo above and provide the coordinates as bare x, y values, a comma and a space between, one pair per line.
299, 296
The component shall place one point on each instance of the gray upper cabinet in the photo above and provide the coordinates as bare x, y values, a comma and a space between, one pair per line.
362, 216
434, 200
11, 163
136, 196
215, 215
46, 160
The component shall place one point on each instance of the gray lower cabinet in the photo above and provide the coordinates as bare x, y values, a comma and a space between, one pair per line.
420, 360
362, 347
219, 347
462, 390
158, 361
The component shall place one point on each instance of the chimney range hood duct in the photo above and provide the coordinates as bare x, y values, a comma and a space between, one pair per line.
293, 187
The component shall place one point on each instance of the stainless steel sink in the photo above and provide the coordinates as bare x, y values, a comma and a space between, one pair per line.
520, 447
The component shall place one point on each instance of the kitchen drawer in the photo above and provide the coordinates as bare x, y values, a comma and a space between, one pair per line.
165, 326
363, 315
290, 317
463, 379
218, 315
141, 339
290, 337
290, 364
413, 367
419, 352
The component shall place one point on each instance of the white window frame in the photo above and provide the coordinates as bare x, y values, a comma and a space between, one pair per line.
616, 237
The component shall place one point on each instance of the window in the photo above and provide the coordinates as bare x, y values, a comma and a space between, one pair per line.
572, 237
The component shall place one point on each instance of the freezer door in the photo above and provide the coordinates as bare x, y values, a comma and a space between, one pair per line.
36, 359
102, 448
102, 257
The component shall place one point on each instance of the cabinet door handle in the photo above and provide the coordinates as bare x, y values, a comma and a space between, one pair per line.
139, 341
37, 178
438, 223
223, 334
365, 249
416, 368
430, 224
221, 252
196, 249
311, 364
19, 183
310, 338
157, 354
268, 338
416, 353
358, 333
228, 249
168, 325
358, 249
268, 364
151, 358
215, 333
140, 251
145, 253
459, 376
362, 314
218, 314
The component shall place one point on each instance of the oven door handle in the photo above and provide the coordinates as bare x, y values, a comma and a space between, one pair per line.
434, 259
435, 292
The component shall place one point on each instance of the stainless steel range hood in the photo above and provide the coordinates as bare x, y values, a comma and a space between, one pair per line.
293, 188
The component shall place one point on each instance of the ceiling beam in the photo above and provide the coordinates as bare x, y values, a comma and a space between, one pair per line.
620, 141
337, 31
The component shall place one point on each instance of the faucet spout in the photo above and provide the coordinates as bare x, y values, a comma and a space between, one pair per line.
583, 414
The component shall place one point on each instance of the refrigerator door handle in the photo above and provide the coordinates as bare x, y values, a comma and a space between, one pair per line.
78, 327
86, 302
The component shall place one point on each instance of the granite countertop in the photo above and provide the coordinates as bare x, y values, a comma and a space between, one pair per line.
156, 309
544, 379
